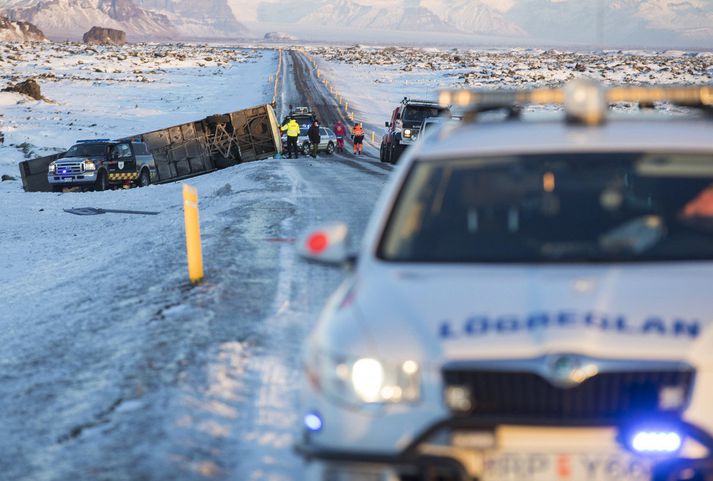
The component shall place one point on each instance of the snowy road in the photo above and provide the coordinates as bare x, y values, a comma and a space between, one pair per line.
113, 368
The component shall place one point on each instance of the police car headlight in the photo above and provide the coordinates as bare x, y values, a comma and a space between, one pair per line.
369, 381
52, 168
408, 133
89, 165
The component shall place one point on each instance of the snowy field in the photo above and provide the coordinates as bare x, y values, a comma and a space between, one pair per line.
112, 92
375, 80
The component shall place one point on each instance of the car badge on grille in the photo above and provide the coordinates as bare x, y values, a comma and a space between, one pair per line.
568, 370
120, 165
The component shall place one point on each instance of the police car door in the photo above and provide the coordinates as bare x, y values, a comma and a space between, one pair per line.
122, 159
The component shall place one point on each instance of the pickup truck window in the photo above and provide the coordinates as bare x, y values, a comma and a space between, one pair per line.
582, 207
122, 151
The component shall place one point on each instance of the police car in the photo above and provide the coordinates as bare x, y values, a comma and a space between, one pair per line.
532, 300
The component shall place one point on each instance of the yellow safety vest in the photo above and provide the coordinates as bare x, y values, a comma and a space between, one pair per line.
292, 128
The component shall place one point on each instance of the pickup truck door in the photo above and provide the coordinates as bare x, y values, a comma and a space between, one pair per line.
122, 159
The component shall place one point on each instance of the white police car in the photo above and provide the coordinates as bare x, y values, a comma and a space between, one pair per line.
533, 301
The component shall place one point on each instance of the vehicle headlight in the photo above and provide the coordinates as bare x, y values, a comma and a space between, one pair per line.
52, 168
408, 133
89, 165
367, 380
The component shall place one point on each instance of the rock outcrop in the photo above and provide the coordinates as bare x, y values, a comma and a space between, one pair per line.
105, 36
279, 37
29, 87
11, 31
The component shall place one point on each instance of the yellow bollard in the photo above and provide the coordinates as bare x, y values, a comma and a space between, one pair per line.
193, 234
346, 107
373, 137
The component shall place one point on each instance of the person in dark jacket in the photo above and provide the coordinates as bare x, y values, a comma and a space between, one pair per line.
314, 138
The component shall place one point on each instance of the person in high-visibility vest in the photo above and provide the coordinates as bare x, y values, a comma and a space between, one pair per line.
358, 137
293, 132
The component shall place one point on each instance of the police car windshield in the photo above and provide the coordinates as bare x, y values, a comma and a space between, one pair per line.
86, 150
419, 113
582, 207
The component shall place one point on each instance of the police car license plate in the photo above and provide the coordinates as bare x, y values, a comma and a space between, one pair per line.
511, 466
67, 179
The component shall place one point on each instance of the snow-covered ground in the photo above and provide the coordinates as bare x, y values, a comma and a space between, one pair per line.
375, 79
112, 92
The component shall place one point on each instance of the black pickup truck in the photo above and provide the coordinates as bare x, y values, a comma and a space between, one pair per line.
102, 164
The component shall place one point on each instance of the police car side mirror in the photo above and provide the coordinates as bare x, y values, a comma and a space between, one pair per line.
326, 245
388, 124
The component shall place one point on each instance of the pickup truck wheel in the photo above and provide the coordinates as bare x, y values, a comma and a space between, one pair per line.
102, 182
144, 179
330, 148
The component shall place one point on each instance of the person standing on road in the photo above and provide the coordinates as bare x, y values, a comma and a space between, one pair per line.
293, 133
358, 137
340, 131
314, 138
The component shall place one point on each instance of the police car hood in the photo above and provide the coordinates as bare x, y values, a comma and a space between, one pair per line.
637, 311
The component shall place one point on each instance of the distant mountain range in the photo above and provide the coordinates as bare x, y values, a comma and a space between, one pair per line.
618, 21
141, 19
628, 22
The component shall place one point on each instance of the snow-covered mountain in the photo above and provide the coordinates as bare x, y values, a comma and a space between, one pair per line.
622, 21
141, 19
464, 16
198, 19
11, 31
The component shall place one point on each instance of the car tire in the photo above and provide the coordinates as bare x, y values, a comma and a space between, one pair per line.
382, 157
102, 182
144, 179
57, 188
330, 148
305, 148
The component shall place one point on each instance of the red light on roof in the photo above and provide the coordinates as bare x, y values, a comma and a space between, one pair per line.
317, 243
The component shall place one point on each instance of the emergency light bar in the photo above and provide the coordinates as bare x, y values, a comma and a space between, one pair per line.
90, 141
584, 101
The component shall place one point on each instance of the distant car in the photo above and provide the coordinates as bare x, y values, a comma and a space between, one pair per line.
531, 301
302, 115
405, 123
101, 164
328, 141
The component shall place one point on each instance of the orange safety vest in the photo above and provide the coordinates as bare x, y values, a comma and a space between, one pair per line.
358, 131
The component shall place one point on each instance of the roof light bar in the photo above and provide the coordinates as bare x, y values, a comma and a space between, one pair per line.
584, 101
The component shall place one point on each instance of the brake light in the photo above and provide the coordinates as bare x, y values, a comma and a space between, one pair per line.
317, 243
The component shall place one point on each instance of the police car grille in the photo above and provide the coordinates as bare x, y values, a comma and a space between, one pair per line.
70, 168
606, 397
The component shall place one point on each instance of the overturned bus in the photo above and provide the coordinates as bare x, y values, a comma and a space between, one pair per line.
190, 149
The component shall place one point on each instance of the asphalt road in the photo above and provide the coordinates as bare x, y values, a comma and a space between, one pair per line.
147, 378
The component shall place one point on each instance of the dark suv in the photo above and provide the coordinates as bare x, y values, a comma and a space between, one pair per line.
101, 164
405, 123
